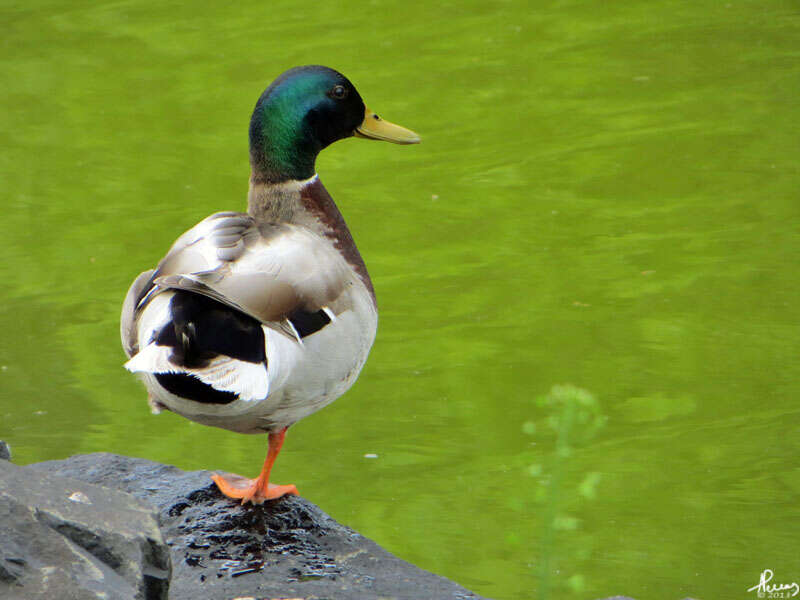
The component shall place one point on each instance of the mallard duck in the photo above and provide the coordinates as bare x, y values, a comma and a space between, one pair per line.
255, 320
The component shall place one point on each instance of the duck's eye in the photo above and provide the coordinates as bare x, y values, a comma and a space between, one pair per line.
338, 92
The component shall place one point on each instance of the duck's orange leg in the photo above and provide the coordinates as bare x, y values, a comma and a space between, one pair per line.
259, 489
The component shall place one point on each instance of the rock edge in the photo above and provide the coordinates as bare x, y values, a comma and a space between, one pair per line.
287, 548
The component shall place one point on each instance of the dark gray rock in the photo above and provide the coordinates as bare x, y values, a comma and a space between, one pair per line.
5, 451
286, 548
68, 539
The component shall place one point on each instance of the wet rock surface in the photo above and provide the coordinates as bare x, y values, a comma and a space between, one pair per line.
287, 548
64, 538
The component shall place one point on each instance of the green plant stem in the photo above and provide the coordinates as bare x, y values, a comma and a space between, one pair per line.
565, 422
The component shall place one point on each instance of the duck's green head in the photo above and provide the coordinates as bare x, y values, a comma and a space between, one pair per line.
303, 111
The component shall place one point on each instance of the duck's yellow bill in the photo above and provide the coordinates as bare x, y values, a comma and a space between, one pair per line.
376, 128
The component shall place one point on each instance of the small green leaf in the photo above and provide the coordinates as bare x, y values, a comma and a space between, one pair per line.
588, 487
576, 583
565, 523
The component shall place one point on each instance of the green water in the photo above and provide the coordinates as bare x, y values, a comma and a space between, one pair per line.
606, 196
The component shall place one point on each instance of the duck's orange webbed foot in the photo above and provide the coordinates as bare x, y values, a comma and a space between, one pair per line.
250, 490
260, 489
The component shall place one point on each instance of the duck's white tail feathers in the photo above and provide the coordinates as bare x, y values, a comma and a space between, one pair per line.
249, 381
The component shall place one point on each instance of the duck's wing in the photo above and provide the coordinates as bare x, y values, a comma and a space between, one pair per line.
274, 273
188, 251
127, 323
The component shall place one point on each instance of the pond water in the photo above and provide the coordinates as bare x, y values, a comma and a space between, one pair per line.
606, 197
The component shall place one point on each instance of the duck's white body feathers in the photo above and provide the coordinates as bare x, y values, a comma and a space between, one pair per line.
286, 285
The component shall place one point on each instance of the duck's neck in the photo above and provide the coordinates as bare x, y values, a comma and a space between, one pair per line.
306, 203
279, 202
